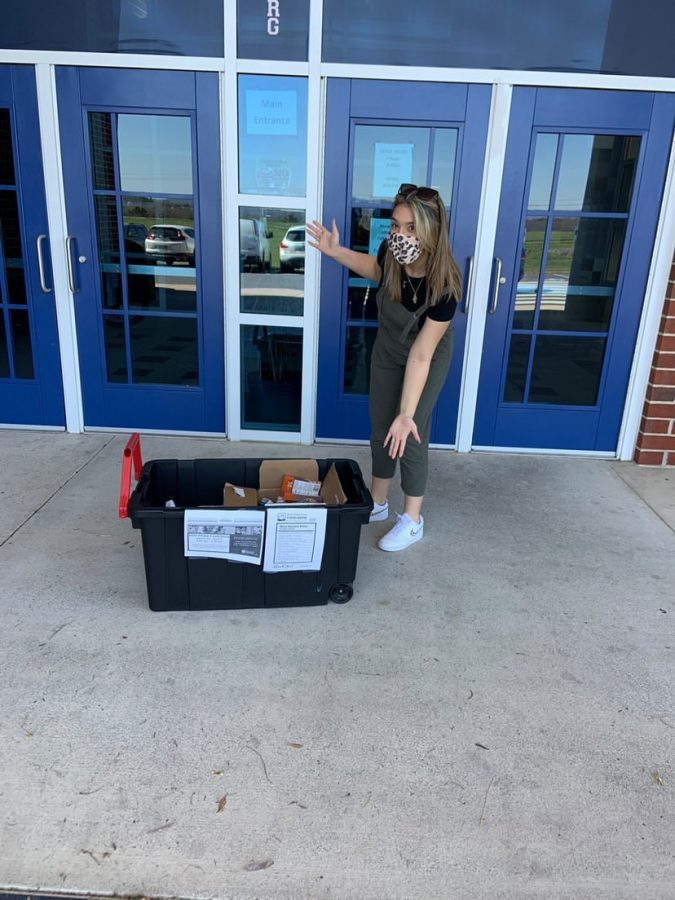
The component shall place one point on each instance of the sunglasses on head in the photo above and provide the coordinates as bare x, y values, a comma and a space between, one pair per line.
408, 191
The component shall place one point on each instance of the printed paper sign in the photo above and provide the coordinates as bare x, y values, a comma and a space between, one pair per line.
271, 112
234, 534
294, 538
393, 167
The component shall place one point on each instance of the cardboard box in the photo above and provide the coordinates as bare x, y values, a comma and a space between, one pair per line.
236, 496
271, 475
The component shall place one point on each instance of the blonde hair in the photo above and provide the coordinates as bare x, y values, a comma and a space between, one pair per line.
431, 229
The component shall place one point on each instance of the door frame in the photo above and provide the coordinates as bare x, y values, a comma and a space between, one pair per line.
56, 217
573, 112
479, 288
108, 405
35, 401
648, 329
364, 102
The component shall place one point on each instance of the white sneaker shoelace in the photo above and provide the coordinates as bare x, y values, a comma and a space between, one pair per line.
403, 523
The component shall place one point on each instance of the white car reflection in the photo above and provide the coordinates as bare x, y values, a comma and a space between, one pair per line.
292, 249
255, 254
171, 243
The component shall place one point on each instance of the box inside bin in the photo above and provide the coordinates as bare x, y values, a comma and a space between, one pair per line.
194, 483
272, 472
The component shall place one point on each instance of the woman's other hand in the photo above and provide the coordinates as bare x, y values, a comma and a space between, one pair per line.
399, 431
325, 241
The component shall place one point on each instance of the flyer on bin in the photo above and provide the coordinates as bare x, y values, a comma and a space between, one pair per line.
294, 538
234, 534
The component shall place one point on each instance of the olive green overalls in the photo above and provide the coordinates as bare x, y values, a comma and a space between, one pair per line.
398, 328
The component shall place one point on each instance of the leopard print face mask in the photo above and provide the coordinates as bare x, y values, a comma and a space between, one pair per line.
405, 250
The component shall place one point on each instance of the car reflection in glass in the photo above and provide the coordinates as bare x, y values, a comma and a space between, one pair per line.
255, 254
292, 250
170, 244
135, 234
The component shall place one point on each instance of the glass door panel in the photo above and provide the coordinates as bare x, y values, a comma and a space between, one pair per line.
272, 260
16, 349
271, 377
272, 282
559, 374
146, 246
149, 213
385, 157
371, 151
30, 372
272, 135
597, 172
591, 176
581, 274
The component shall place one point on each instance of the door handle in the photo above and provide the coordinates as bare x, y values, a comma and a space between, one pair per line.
70, 241
41, 263
468, 285
499, 280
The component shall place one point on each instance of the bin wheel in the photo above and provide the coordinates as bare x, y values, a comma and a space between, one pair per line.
341, 593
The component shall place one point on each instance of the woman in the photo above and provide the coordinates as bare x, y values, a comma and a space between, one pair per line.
419, 283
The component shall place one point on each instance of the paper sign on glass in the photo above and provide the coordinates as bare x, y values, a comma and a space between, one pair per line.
392, 168
271, 112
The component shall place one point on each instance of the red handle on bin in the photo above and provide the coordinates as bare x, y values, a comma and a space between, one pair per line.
132, 451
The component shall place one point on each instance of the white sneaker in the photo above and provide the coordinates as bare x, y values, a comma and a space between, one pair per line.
380, 512
404, 533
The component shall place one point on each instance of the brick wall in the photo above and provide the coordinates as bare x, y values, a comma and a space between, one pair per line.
656, 440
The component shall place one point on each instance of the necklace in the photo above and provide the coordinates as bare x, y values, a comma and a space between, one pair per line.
414, 289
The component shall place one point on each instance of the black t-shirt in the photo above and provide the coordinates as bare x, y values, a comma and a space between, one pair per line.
414, 294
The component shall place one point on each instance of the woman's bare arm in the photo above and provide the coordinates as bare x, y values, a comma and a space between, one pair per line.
414, 380
328, 243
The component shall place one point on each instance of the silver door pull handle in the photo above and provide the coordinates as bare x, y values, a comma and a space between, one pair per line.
70, 241
468, 286
498, 282
41, 264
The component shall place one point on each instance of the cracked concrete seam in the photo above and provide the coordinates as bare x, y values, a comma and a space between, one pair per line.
54, 493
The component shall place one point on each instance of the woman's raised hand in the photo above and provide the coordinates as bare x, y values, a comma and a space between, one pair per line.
326, 241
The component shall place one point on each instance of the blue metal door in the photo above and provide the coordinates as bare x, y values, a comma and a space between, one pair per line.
378, 135
142, 179
583, 178
31, 391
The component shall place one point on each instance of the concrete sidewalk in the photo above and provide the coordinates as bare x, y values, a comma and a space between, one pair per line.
491, 716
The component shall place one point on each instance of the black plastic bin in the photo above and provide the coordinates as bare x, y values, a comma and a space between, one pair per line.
178, 582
